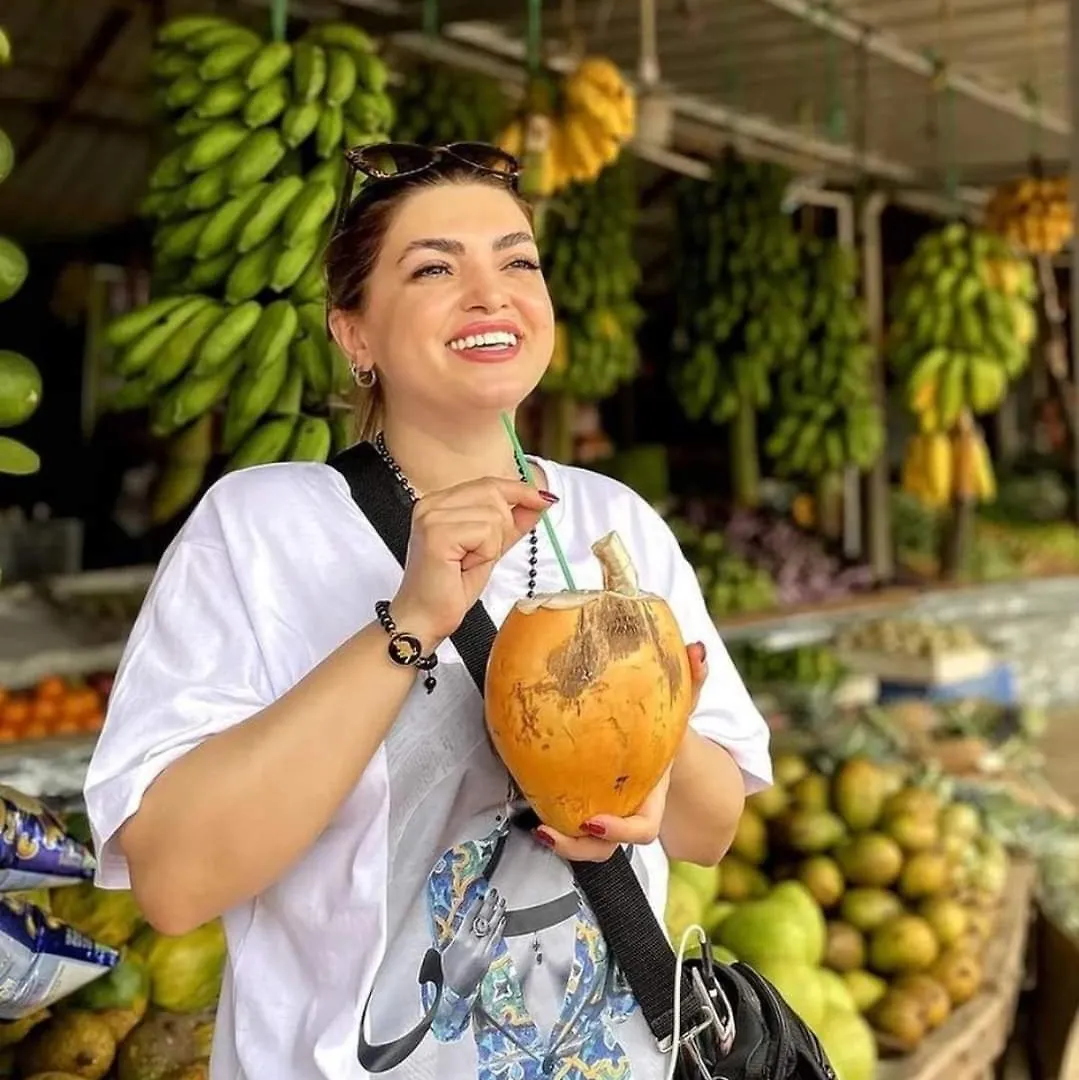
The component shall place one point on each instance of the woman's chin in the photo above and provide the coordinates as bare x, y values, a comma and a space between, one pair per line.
498, 391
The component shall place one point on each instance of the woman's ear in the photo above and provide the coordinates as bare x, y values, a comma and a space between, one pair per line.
347, 330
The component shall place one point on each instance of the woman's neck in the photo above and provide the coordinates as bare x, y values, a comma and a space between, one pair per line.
432, 460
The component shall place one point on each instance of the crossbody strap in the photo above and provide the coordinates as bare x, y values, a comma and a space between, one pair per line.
612, 889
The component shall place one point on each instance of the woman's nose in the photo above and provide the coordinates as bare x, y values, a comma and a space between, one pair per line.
484, 291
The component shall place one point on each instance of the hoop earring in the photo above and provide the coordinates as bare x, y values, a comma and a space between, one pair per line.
365, 377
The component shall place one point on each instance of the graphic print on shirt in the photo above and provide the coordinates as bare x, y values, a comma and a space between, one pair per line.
530, 987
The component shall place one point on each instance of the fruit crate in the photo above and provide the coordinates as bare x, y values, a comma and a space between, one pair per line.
976, 1035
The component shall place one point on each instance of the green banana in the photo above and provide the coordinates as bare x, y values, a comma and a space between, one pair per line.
270, 61
209, 189
289, 263
308, 70
345, 36
307, 213
312, 359
177, 353
311, 285
250, 398
264, 445
300, 121
268, 213
267, 103
330, 131
179, 241
311, 440
227, 338
270, 339
205, 273
176, 488
215, 144
188, 399
259, 153
252, 272
290, 397
224, 226
226, 60
140, 351
125, 328
340, 76
220, 99
178, 30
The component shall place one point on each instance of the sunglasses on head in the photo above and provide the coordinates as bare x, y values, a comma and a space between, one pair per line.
384, 163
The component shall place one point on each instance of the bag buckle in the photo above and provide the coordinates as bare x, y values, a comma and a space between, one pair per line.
711, 1000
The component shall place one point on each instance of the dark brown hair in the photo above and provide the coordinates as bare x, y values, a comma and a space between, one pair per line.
353, 251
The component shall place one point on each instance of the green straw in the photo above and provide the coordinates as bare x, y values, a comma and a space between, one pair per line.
526, 470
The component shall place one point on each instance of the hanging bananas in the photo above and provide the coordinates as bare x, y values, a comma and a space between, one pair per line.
592, 275
1033, 213
941, 468
962, 324
437, 105
242, 201
829, 418
740, 287
595, 118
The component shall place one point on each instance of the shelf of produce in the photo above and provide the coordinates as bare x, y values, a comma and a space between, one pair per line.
968, 1045
77, 624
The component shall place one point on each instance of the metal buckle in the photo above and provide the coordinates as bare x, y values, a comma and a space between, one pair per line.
724, 1026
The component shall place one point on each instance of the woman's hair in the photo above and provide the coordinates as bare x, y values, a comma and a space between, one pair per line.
354, 249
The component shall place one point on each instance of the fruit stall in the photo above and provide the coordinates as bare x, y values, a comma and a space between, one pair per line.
828, 341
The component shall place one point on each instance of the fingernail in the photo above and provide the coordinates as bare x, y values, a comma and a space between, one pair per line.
594, 828
548, 496
544, 838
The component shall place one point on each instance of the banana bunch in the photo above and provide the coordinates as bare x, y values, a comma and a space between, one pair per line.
740, 286
962, 324
232, 357
829, 418
244, 196
586, 131
1033, 213
437, 105
592, 274
20, 380
942, 467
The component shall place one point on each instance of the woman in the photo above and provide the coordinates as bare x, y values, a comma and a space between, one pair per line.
264, 759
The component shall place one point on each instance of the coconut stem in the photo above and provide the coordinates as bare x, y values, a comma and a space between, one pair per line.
619, 573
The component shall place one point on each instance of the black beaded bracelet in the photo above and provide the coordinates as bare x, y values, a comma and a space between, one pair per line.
405, 649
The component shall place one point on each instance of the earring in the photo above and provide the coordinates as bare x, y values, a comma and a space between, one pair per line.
365, 377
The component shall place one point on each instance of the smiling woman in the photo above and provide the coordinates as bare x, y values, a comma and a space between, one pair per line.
294, 744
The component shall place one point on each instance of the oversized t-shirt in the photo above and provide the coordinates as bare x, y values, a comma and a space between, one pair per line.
379, 925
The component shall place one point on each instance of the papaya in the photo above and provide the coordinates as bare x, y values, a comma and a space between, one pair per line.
588, 695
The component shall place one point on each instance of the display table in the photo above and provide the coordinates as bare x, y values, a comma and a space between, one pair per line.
969, 1044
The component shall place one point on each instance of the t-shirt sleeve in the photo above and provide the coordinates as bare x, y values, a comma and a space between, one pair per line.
725, 712
191, 669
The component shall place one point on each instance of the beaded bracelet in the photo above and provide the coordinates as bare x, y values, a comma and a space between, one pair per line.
405, 649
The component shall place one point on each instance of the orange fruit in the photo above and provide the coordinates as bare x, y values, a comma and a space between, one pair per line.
15, 711
45, 710
66, 725
8, 734
35, 729
52, 686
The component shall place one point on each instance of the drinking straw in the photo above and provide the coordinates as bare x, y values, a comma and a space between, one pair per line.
526, 471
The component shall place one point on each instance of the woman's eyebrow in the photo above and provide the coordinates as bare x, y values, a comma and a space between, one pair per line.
455, 247
513, 239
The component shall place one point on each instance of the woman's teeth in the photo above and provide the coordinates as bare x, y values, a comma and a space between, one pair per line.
496, 339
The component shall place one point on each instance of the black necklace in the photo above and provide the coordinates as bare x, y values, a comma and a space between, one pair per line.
399, 476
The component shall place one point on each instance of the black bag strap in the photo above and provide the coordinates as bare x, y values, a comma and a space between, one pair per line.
612, 889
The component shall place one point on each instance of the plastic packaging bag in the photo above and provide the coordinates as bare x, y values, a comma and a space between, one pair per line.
36, 851
43, 959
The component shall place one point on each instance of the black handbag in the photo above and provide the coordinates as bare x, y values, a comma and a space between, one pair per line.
732, 1023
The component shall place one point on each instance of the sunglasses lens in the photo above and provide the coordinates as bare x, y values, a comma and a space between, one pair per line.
486, 157
391, 159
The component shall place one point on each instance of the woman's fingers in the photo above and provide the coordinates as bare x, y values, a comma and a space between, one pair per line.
698, 670
574, 848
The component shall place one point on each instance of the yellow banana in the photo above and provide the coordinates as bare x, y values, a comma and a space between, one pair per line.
512, 139
939, 468
985, 482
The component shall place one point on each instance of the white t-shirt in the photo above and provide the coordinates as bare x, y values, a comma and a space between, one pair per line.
275, 568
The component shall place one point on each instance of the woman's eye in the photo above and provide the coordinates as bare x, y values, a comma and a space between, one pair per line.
525, 264
430, 270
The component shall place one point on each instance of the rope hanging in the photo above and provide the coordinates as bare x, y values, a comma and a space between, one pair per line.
430, 18
835, 113
1031, 89
534, 38
278, 19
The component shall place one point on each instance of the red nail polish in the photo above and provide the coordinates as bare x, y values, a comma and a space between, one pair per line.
704, 652
544, 838
593, 828
548, 496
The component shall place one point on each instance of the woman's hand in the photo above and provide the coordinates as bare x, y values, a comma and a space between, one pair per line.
458, 535
606, 832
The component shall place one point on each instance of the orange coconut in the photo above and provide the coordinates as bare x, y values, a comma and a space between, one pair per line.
588, 695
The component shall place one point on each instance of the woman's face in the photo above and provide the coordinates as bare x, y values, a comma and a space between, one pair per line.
458, 317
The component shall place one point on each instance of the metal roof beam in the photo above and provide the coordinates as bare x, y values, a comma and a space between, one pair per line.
888, 47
